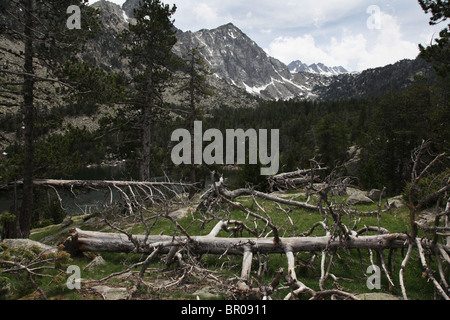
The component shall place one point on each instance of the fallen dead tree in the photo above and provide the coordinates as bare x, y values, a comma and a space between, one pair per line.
125, 196
135, 194
82, 241
292, 180
93, 184
90, 241
219, 188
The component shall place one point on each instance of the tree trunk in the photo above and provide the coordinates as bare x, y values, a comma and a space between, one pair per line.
147, 119
192, 174
192, 119
12, 229
28, 110
292, 180
84, 241
447, 220
146, 144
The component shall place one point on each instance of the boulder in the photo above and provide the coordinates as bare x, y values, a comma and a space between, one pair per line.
395, 203
353, 165
357, 196
207, 293
428, 216
109, 293
374, 194
358, 199
353, 191
181, 213
98, 261
27, 244
377, 296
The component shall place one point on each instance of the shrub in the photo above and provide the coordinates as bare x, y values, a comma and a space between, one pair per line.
4, 288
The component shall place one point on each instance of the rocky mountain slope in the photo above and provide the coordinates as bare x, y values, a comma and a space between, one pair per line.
105, 51
237, 59
234, 58
240, 65
243, 72
375, 82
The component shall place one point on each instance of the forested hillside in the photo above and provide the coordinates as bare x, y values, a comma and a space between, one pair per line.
386, 129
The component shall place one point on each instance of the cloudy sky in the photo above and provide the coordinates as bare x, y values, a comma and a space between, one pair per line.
357, 34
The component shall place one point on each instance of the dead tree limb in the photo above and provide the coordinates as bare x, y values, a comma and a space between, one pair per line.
402, 270
246, 269
430, 272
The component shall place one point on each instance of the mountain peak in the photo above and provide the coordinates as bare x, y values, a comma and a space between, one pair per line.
106, 5
237, 59
228, 29
316, 68
111, 15
228, 25
129, 7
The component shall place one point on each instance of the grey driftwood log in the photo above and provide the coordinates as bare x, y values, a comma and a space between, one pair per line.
90, 184
84, 241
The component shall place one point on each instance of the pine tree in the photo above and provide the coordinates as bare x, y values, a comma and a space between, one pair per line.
195, 88
439, 53
36, 42
148, 46
331, 140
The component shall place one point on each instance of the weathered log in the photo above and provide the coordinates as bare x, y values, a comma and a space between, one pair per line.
249, 192
223, 191
292, 180
91, 184
296, 174
82, 241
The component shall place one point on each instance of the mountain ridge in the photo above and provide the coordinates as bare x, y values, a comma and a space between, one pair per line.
316, 68
236, 58
238, 63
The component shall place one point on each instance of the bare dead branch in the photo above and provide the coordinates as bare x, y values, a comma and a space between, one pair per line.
430, 272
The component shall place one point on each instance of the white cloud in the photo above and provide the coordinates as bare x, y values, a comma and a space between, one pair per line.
389, 46
354, 51
205, 13
343, 52
262, 14
290, 49
200, 15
